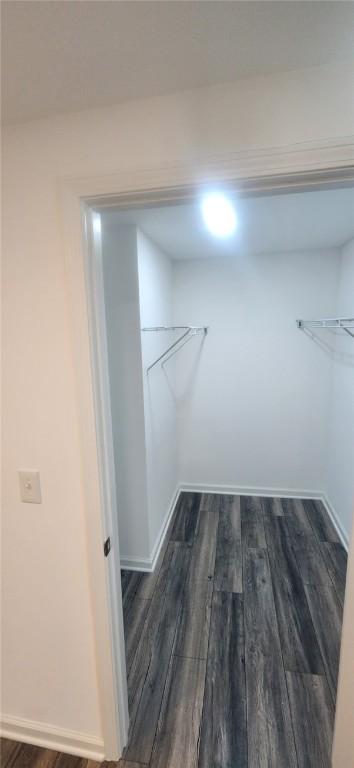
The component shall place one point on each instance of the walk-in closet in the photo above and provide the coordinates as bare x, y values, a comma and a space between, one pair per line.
229, 329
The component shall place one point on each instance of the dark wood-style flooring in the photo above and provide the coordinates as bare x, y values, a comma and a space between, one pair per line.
232, 644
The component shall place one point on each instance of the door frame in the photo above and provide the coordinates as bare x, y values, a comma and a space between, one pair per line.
311, 165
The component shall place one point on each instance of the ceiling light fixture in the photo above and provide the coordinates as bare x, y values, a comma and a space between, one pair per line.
96, 223
219, 215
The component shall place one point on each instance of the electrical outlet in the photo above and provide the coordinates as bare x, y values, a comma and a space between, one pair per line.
30, 486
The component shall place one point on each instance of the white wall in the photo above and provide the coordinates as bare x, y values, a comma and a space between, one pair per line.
340, 455
254, 397
48, 640
138, 293
156, 308
121, 288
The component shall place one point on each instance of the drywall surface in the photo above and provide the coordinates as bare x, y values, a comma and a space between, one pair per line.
340, 468
138, 293
120, 272
156, 308
48, 640
254, 396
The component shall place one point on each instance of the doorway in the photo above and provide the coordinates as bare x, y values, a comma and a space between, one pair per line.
189, 346
240, 297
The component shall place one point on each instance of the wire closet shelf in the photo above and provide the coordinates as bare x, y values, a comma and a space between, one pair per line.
345, 324
189, 331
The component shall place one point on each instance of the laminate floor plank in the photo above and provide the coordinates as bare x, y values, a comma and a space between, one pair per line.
270, 733
122, 764
202, 564
130, 582
39, 757
223, 737
139, 668
252, 526
134, 620
186, 517
69, 761
193, 627
327, 616
320, 521
210, 501
125, 578
313, 719
312, 567
113, 764
335, 557
177, 737
272, 506
30, 756
299, 643
228, 562
228, 573
148, 582
8, 748
152, 660
297, 519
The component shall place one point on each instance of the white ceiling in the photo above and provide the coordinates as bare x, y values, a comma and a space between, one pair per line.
269, 224
66, 56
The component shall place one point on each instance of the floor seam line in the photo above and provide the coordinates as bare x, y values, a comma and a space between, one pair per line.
281, 652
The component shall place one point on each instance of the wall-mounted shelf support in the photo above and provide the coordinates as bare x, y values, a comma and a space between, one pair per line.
188, 332
338, 323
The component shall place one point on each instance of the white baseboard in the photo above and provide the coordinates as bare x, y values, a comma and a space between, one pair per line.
148, 564
343, 535
136, 564
51, 737
240, 490
164, 528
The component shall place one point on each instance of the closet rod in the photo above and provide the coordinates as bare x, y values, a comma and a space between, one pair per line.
189, 331
343, 323
176, 328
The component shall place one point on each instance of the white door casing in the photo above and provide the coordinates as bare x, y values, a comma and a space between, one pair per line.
303, 166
